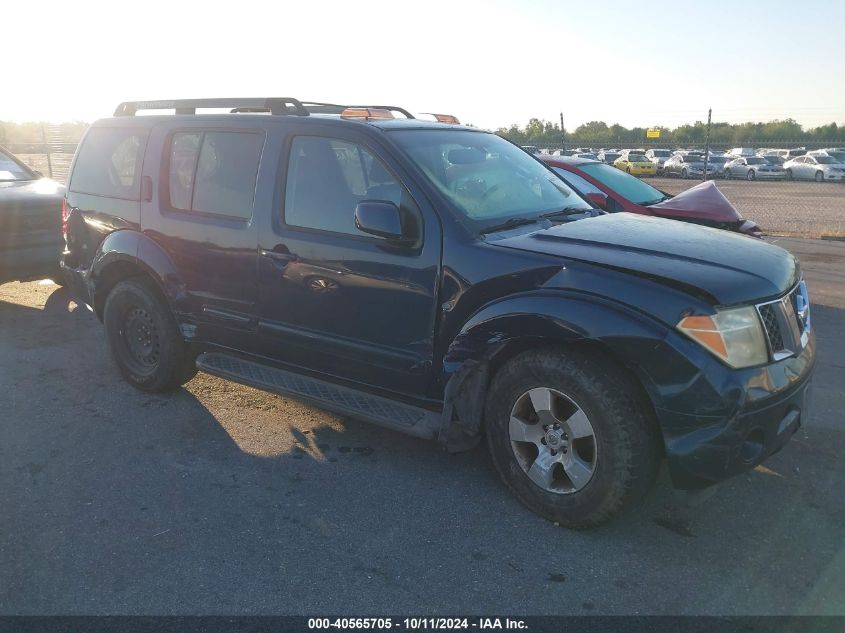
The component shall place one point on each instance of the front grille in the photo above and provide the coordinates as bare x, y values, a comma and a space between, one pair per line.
786, 322
770, 323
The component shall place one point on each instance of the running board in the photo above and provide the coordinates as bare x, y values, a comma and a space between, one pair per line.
325, 395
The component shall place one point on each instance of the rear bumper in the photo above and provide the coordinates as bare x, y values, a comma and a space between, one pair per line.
764, 406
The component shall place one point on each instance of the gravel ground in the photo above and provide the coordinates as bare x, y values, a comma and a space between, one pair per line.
220, 499
793, 208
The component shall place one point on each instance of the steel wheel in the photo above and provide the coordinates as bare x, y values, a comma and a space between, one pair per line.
553, 440
141, 343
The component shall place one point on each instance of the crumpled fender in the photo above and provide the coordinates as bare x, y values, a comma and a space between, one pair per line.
532, 318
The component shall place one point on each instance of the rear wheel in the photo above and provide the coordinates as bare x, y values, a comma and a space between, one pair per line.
750, 175
819, 176
144, 339
727, 174
570, 437
684, 173
789, 174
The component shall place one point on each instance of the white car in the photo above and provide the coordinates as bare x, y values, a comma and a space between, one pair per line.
818, 168
658, 157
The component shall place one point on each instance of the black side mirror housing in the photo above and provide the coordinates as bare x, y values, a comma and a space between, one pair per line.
380, 218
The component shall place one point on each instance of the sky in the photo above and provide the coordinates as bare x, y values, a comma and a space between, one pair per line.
491, 63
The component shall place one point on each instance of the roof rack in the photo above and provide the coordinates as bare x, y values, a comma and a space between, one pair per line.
316, 107
273, 105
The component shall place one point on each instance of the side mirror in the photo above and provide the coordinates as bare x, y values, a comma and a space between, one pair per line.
37, 173
379, 218
597, 199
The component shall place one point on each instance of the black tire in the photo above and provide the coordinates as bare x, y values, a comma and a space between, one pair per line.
159, 360
628, 170
789, 174
819, 176
750, 175
627, 446
727, 174
684, 174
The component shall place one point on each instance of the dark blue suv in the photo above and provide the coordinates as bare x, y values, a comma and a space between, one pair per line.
437, 280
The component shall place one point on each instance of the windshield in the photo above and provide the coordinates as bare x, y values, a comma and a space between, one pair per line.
485, 177
662, 153
719, 160
10, 169
826, 160
625, 185
637, 158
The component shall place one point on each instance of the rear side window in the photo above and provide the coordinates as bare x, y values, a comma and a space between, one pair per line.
109, 163
214, 172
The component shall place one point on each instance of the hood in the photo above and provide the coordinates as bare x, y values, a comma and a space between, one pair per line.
727, 267
703, 201
43, 189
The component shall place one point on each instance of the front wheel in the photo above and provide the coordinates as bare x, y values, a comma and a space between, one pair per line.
684, 174
819, 176
789, 174
750, 175
144, 339
571, 437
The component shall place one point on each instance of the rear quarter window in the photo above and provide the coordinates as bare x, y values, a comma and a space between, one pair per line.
109, 163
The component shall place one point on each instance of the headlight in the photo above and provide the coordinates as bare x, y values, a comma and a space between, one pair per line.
734, 335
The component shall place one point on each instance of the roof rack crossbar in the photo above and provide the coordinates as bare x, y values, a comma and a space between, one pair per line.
273, 105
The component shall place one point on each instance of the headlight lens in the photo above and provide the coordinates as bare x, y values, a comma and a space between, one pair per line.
734, 335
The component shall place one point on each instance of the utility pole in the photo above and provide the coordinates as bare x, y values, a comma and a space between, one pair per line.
707, 142
562, 132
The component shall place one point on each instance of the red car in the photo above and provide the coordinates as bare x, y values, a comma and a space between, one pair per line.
613, 190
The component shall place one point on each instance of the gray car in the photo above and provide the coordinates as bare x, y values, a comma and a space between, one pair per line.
689, 166
753, 168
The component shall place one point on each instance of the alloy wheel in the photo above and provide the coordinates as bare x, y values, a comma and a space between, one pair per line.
553, 440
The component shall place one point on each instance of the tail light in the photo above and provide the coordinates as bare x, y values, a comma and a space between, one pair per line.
65, 216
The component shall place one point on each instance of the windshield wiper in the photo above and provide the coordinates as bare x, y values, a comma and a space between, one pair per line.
658, 200
570, 210
509, 224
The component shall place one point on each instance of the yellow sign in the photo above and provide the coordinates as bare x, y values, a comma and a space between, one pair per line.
652, 133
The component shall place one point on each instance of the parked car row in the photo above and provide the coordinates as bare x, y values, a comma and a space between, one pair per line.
822, 165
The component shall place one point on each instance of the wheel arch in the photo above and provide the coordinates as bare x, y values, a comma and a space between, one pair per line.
125, 254
504, 330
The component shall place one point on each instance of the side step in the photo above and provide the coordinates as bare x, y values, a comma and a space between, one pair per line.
325, 395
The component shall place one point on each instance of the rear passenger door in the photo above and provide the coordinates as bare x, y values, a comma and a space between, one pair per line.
199, 205
336, 300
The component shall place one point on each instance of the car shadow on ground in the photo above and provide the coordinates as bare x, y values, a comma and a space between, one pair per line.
218, 498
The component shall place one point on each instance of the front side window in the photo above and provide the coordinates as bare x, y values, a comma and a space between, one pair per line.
109, 163
214, 172
326, 180
484, 177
